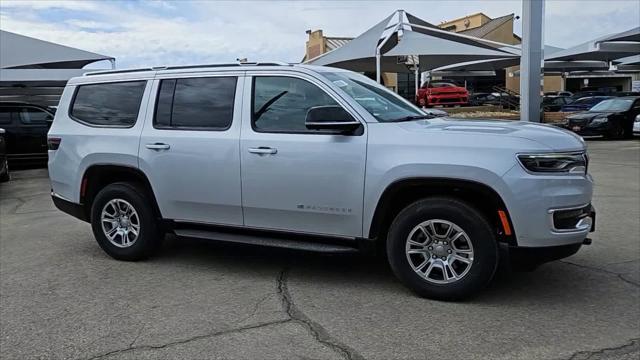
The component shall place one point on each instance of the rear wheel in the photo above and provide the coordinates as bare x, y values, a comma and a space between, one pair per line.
442, 248
123, 222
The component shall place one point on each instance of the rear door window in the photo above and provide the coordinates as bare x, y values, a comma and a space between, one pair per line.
108, 104
196, 103
33, 116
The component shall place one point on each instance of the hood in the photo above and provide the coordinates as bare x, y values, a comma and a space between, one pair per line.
588, 115
549, 136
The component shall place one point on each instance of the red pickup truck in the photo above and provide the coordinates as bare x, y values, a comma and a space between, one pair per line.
441, 93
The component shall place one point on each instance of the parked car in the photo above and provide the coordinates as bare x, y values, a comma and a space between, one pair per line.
583, 104
442, 93
478, 99
626, 93
495, 98
636, 125
4, 165
317, 159
613, 118
26, 127
558, 93
583, 94
554, 103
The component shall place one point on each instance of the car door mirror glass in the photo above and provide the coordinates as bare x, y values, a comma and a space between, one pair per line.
330, 117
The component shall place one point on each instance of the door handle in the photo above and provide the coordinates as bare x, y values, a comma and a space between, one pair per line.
263, 150
158, 146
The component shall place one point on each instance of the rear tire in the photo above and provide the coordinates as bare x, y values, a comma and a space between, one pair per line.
439, 262
124, 223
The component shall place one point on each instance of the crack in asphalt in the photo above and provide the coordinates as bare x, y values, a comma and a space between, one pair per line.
256, 307
193, 338
619, 276
316, 330
626, 348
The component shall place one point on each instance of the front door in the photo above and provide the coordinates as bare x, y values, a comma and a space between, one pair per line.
190, 147
293, 178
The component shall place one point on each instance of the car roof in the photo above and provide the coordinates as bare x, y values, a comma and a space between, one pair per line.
151, 72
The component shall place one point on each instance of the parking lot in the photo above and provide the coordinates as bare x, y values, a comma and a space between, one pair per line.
61, 297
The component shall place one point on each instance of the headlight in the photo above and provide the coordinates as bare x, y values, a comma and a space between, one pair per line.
599, 120
572, 163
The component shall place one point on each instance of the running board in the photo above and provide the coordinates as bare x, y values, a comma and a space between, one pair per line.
265, 240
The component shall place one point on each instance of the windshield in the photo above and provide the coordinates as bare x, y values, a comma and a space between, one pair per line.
383, 104
613, 105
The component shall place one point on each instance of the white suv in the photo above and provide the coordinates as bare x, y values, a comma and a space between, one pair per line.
316, 159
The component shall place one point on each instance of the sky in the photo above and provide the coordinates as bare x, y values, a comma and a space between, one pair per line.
154, 33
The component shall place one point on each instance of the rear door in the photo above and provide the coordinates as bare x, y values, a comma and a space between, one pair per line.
189, 147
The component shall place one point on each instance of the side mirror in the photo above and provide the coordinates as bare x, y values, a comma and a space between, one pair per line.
331, 118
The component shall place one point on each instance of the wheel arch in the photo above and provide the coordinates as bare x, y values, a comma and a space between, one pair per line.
98, 176
403, 192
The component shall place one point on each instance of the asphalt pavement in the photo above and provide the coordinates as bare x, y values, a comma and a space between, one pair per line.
61, 297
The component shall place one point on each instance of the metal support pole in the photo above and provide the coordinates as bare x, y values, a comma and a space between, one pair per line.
378, 67
417, 76
531, 60
113, 63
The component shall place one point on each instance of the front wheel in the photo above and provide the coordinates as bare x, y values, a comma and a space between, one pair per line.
124, 223
4, 176
442, 248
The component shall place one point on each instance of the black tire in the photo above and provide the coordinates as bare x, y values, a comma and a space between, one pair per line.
4, 177
616, 131
149, 236
471, 221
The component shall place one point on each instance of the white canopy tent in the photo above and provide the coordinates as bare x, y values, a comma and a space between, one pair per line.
404, 36
605, 48
36, 71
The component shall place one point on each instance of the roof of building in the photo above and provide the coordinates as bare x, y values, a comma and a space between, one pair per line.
462, 18
336, 42
487, 28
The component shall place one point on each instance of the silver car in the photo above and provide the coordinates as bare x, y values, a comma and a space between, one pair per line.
315, 159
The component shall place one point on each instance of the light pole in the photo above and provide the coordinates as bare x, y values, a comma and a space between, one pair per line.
531, 59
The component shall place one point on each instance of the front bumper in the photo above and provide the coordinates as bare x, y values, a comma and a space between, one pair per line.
528, 258
588, 129
453, 99
534, 200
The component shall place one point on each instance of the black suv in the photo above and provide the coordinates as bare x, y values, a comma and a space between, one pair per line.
26, 127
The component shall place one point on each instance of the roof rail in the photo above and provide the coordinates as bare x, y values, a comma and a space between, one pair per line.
181, 67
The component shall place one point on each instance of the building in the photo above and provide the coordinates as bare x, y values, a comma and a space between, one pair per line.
318, 44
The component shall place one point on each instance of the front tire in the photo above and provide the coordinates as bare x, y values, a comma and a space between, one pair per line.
5, 176
442, 248
124, 223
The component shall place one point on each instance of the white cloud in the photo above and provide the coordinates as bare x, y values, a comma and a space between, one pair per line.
158, 33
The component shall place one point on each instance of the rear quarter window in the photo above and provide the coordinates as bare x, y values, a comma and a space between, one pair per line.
108, 104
